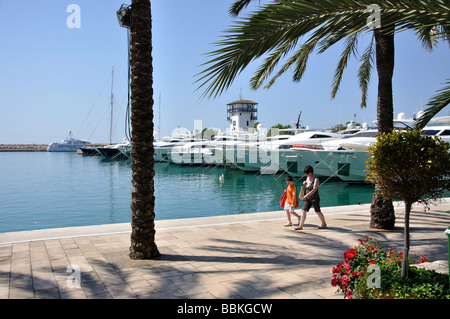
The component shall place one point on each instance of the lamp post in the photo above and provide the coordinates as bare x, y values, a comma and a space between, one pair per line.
124, 16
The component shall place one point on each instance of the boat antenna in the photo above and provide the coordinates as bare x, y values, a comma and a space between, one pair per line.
112, 105
124, 18
159, 116
297, 125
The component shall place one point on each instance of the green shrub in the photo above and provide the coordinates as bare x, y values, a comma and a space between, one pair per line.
354, 278
409, 166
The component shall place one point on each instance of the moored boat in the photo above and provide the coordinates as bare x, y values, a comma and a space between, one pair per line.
112, 151
69, 144
265, 157
88, 151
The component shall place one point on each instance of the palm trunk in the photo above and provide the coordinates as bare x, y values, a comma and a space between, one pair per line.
142, 196
381, 210
406, 240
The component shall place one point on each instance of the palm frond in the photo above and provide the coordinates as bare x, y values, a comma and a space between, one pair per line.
350, 49
365, 70
270, 63
276, 28
252, 37
435, 105
299, 59
238, 6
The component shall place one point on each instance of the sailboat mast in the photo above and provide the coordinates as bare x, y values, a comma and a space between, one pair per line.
159, 117
112, 104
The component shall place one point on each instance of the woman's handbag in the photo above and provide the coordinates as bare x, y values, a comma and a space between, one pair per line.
302, 193
283, 199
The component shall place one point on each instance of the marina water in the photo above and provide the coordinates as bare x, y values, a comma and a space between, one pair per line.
40, 190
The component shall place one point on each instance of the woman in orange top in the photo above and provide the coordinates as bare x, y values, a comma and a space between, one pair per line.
291, 201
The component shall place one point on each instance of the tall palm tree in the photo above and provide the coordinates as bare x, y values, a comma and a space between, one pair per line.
274, 31
142, 196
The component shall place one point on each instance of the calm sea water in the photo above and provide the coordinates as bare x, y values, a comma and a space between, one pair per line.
50, 190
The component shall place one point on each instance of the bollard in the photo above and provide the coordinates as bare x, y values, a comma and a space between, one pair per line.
447, 232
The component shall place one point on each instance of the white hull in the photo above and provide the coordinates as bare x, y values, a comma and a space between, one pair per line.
265, 157
202, 157
66, 146
346, 165
250, 160
294, 162
349, 166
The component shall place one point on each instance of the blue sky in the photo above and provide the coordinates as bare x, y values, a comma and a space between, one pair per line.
54, 79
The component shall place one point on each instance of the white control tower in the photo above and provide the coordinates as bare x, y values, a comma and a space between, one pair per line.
242, 114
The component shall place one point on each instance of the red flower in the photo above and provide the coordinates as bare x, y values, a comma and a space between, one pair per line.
337, 269
347, 267
345, 280
423, 259
349, 254
335, 281
348, 294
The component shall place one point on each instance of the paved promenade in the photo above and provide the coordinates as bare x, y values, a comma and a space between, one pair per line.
240, 256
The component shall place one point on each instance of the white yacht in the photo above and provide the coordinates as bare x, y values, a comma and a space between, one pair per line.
269, 156
114, 151
209, 152
359, 141
347, 165
342, 158
125, 149
192, 153
163, 148
69, 144
440, 127
349, 161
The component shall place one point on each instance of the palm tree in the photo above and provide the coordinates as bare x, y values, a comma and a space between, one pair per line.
274, 31
142, 196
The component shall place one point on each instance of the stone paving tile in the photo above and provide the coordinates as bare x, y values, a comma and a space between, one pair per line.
242, 259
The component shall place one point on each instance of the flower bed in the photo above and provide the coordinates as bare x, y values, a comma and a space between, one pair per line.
371, 271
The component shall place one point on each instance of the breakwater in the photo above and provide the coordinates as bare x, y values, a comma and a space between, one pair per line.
23, 147
33, 147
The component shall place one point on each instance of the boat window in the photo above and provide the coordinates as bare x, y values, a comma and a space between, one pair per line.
363, 134
292, 167
320, 136
430, 132
445, 133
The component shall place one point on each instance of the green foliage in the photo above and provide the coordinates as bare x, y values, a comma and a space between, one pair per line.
274, 130
352, 275
435, 105
420, 284
408, 165
285, 34
341, 127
